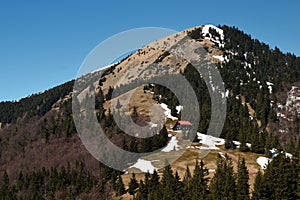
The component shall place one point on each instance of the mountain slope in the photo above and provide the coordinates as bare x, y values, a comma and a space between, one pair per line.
262, 96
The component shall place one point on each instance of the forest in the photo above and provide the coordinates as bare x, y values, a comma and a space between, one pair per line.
279, 181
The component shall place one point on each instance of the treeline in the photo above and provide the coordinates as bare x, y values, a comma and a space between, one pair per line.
279, 181
34, 105
65, 183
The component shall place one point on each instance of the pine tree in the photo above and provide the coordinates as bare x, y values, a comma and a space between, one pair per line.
257, 192
142, 191
298, 150
118, 106
230, 186
242, 139
133, 185
120, 188
187, 183
154, 186
199, 182
178, 187
229, 141
147, 182
242, 181
223, 184
280, 180
133, 146
167, 183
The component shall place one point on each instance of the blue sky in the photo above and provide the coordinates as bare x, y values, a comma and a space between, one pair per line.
43, 43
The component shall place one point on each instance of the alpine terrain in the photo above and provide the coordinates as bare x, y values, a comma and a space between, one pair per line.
255, 155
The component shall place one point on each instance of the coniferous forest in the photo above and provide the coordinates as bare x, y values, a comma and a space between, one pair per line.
279, 181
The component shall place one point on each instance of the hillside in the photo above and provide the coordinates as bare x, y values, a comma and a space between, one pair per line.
43, 157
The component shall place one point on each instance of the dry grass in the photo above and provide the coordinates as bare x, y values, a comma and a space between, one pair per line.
190, 156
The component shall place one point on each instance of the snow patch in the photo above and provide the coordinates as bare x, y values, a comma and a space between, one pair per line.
269, 83
263, 161
144, 166
167, 111
209, 141
152, 125
205, 30
289, 155
221, 58
270, 89
172, 145
179, 108
215, 39
222, 155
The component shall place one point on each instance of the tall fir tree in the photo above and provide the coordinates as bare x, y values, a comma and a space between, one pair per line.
187, 183
133, 185
154, 186
257, 191
178, 187
167, 182
242, 184
120, 188
223, 184
199, 182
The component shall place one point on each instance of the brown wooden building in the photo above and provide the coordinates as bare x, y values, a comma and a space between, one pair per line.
182, 125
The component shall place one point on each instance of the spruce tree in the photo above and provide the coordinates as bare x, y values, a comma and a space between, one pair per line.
178, 187
187, 183
230, 185
118, 106
242, 181
223, 184
142, 191
154, 188
120, 188
167, 183
199, 182
216, 186
133, 185
257, 192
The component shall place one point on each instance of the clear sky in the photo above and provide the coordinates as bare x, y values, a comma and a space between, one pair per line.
43, 43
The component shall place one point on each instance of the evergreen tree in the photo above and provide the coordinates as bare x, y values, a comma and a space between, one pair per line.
257, 192
133, 146
229, 141
167, 183
187, 183
142, 191
154, 186
223, 184
281, 178
199, 182
242, 181
178, 187
133, 185
118, 106
230, 186
242, 140
120, 188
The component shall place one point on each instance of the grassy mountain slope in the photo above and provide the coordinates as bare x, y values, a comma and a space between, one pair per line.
38, 131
